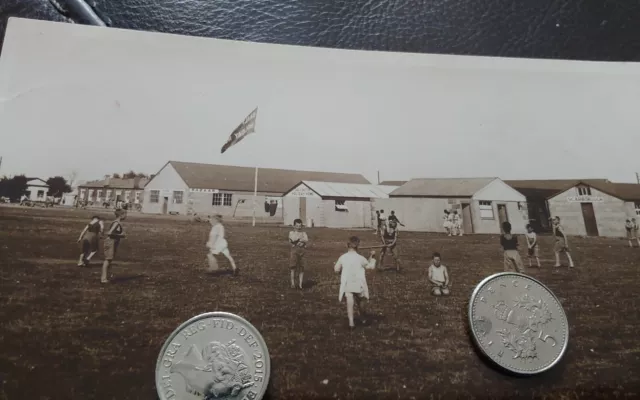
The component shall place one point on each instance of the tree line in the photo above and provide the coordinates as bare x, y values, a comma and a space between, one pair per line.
16, 186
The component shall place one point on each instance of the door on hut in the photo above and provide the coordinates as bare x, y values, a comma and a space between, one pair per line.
467, 225
589, 216
165, 205
502, 215
303, 210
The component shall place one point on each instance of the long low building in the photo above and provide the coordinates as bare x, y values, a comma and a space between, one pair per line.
204, 189
110, 190
484, 203
591, 207
333, 204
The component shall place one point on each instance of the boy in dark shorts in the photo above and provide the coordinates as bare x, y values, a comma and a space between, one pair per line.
509, 242
90, 238
389, 237
298, 241
111, 243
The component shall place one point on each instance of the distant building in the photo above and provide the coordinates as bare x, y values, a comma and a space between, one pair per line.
590, 207
110, 190
37, 189
333, 205
192, 188
484, 203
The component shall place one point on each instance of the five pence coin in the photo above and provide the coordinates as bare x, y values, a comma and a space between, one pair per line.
518, 323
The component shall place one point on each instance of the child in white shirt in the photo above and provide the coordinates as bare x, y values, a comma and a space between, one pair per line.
353, 280
439, 277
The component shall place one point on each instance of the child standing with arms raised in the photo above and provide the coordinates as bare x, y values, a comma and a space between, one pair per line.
353, 280
298, 241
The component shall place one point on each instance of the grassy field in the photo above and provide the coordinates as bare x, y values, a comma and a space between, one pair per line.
64, 335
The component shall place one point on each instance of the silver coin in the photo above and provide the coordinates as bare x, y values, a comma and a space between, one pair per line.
518, 323
215, 355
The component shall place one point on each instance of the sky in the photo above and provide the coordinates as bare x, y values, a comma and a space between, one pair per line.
101, 100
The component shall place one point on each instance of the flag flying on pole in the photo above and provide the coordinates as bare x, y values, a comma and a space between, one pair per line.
247, 127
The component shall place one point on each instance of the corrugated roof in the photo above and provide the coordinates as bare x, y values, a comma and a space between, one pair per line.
233, 178
350, 190
442, 187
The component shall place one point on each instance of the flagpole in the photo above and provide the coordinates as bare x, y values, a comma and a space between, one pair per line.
255, 195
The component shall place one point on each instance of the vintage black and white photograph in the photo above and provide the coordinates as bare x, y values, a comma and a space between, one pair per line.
191, 218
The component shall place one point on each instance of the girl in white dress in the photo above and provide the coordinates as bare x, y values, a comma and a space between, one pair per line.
217, 244
447, 222
353, 280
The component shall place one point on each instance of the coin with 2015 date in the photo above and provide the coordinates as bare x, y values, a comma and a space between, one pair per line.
518, 323
215, 355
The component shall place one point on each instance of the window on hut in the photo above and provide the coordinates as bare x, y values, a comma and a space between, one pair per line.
177, 196
584, 191
155, 196
227, 200
341, 206
486, 210
217, 199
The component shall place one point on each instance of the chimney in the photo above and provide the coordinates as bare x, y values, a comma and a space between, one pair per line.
136, 182
107, 180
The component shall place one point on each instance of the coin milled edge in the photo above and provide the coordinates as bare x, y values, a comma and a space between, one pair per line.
217, 314
472, 330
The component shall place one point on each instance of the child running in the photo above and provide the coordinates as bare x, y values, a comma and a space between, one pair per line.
90, 238
561, 245
111, 243
439, 277
509, 242
532, 245
389, 237
298, 241
353, 280
217, 244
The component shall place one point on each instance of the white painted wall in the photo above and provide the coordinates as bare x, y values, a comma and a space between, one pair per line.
166, 181
32, 192
417, 214
499, 191
610, 213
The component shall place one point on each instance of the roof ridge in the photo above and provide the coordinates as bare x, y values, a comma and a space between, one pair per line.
267, 168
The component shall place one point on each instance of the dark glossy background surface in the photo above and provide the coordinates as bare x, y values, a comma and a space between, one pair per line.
588, 30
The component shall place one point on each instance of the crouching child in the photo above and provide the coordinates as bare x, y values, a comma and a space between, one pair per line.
439, 277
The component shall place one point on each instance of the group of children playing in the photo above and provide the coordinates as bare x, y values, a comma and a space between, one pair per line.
90, 242
452, 222
509, 242
351, 265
